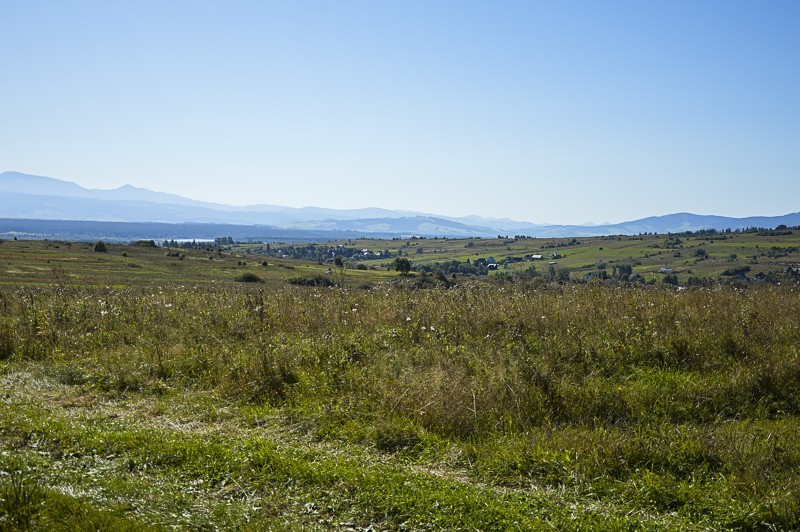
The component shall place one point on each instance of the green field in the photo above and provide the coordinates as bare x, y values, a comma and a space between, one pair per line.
147, 388
692, 256
698, 255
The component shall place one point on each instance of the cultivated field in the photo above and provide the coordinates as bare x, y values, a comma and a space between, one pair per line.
142, 389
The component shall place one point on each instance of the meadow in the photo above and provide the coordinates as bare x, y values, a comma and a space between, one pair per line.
702, 255
145, 390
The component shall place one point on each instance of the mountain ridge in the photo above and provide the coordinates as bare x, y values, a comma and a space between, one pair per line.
44, 198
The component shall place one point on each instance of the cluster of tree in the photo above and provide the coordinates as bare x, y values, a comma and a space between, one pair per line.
316, 280
671, 279
781, 230
622, 272
453, 267
736, 272
777, 252
205, 245
562, 244
673, 242
552, 273
208, 245
775, 232
322, 253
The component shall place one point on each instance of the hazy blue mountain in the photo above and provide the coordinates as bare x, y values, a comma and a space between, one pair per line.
48, 186
25, 196
410, 225
29, 196
670, 223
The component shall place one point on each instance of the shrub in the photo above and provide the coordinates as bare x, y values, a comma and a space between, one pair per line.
732, 272
100, 247
402, 265
316, 280
248, 278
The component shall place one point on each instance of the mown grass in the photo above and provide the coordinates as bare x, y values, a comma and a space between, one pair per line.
484, 406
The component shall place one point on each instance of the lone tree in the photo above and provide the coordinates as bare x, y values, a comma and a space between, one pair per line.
100, 247
402, 265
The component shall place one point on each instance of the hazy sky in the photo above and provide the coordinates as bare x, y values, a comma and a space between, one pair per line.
558, 111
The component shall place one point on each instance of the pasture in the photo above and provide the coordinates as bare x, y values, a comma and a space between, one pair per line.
695, 255
142, 390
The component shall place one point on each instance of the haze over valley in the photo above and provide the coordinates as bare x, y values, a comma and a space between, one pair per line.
134, 212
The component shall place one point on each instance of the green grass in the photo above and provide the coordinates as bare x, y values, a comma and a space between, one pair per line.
58, 263
197, 402
647, 253
38, 263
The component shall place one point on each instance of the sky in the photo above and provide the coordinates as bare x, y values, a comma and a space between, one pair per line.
548, 112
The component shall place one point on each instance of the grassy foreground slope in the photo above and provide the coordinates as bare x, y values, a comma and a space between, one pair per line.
161, 400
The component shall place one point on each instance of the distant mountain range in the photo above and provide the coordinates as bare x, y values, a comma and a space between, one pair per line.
29, 197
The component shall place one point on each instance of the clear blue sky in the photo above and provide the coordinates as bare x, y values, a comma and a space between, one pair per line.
558, 111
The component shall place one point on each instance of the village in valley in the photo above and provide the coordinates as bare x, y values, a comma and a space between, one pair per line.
700, 258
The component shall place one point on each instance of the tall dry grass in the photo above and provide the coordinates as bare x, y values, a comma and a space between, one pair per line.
670, 393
